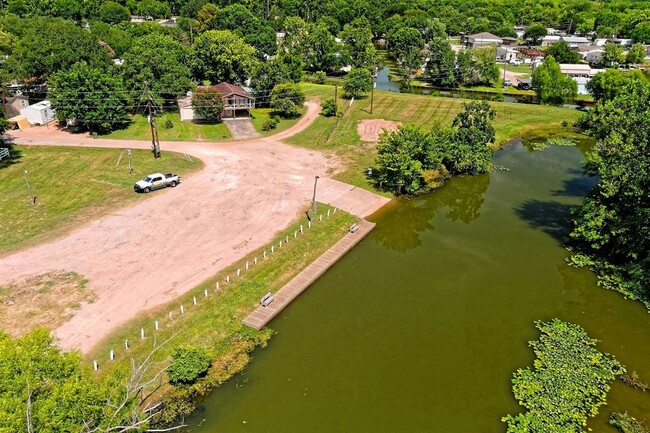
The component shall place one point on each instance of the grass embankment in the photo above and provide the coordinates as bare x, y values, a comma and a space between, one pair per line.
259, 116
139, 129
72, 186
216, 321
339, 134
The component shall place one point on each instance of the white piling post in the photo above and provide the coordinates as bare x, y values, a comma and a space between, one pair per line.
308, 224
335, 209
141, 333
182, 309
280, 244
272, 249
264, 254
205, 292
246, 264
328, 213
216, 286
171, 315
238, 271
155, 325
295, 234
300, 228
286, 240
255, 260
194, 299
227, 279
320, 217
112, 355
126, 344
95, 365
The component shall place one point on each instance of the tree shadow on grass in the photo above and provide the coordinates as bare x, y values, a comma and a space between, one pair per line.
552, 217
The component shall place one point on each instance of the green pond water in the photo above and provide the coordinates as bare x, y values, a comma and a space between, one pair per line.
420, 327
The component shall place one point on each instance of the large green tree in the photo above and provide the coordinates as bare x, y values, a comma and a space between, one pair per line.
287, 99
220, 55
562, 53
406, 46
321, 49
473, 135
359, 48
358, 83
114, 13
535, 33
612, 227
441, 63
607, 85
93, 97
551, 86
207, 103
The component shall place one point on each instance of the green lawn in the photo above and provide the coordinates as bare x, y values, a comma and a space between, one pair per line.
522, 69
216, 321
339, 135
140, 129
72, 186
261, 115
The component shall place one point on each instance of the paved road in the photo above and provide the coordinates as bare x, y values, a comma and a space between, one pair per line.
149, 253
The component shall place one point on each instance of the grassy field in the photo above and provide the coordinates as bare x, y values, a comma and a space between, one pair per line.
140, 129
261, 115
72, 186
339, 134
215, 322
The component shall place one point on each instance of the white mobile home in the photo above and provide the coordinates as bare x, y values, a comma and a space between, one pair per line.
39, 113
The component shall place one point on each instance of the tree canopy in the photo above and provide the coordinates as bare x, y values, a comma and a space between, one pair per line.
220, 55
551, 85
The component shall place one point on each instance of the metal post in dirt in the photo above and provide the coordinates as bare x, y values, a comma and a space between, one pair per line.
128, 152
313, 200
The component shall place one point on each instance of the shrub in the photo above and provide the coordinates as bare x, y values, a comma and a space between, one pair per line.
329, 107
270, 124
286, 98
168, 124
320, 77
188, 364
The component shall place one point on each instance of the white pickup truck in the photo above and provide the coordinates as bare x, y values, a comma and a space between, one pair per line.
156, 181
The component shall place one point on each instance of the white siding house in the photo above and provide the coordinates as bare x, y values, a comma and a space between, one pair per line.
39, 113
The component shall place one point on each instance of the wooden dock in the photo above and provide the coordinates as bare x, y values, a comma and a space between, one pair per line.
283, 297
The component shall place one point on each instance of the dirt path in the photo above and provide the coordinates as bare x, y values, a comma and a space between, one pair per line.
152, 252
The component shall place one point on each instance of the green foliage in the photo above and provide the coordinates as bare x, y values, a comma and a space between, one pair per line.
613, 55
562, 53
91, 96
188, 364
477, 66
471, 150
286, 99
359, 48
359, 82
406, 46
636, 54
441, 64
611, 229
207, 103
607, 85
568, 383
626, 423
222, 56
329, 107
270, 124
534, 33
551, 86
118, 39
321, 50
266, 75
114, 13
168, 124
321, 76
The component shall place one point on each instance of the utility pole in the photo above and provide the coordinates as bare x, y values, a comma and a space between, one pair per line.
313, 200
155, 144
336, 92
372, 92
29, 188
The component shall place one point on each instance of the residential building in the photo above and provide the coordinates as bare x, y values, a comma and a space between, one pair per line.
236, 101
483, 39
13, 105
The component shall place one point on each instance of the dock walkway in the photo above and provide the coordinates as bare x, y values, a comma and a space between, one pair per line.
283, 297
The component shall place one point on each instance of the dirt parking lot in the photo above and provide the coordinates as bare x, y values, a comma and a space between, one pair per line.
150, 253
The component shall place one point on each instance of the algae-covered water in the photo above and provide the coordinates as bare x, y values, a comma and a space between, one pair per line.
420, 327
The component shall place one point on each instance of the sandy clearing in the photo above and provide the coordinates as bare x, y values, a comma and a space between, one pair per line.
149, 253
370, 129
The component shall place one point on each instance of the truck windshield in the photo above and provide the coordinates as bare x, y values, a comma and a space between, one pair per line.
147, 179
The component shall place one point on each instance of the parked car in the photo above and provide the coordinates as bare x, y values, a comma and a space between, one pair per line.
156, 181
507, 82
516, 62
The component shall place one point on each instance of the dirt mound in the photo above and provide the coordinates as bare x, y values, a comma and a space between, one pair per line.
369, 129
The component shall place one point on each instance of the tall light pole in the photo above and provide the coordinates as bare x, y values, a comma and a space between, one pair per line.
313, 200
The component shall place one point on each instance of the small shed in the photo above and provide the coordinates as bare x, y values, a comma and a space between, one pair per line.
39, 113
13, 105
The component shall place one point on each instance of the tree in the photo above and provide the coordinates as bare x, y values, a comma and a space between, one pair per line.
611, 227
434, 29
207, 103
295, 36
50, 45
551, 86
207, 17
188, 364
568, 383
159, 63
320, 47
406, 46
464, 67
636, 54
485, 65
535, 33
562, 53
359, 49
358, 83
114, 13
612, 56
641, 33
441, 64
329, 107
472, 138
92, 96
266, 75
286, 100
607, 85
220, 55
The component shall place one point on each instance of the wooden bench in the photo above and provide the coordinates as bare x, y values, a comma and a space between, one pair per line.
267, 299
353, 228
